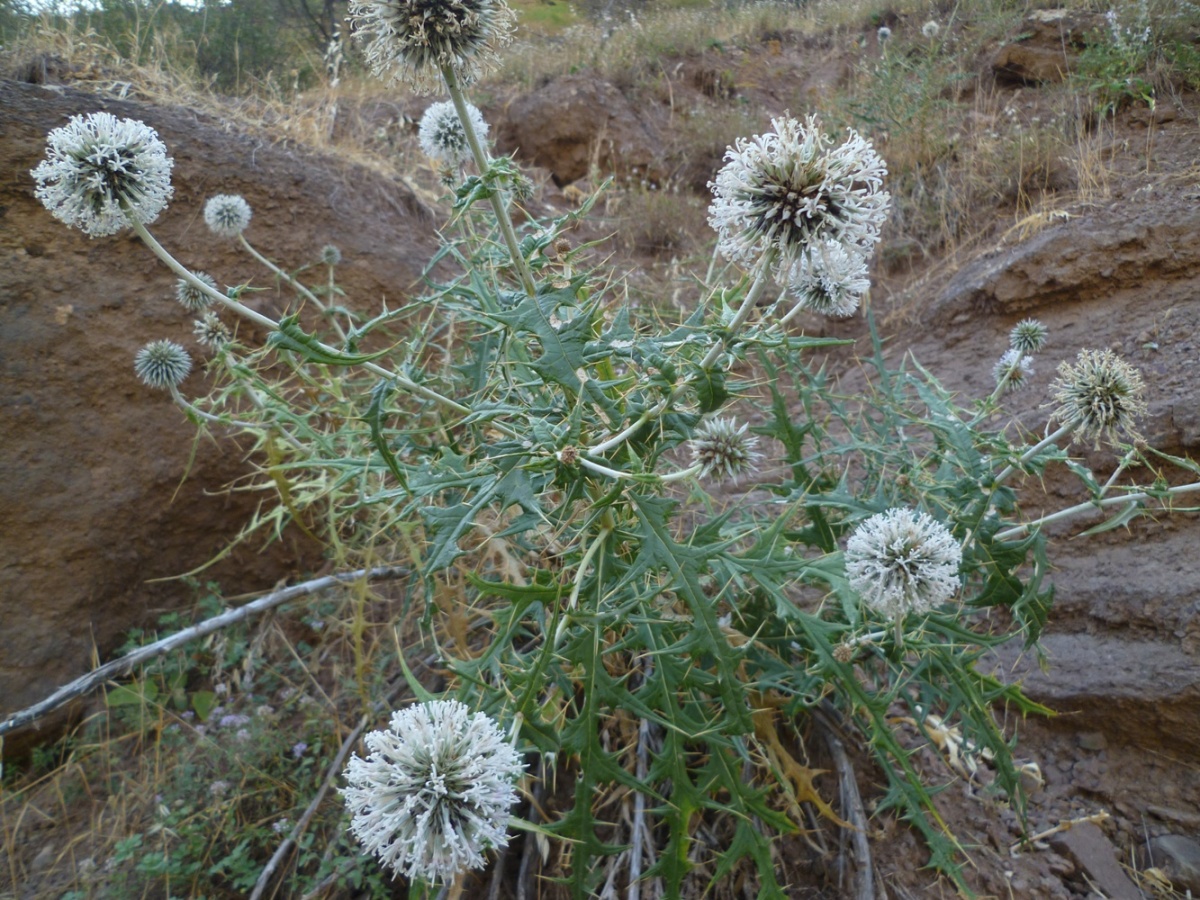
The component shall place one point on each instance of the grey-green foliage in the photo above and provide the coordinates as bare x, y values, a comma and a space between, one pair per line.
615, 595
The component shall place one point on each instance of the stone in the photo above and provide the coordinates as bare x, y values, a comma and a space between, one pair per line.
1086, 845
1092, 740
1179, 857
93, 499
574, 121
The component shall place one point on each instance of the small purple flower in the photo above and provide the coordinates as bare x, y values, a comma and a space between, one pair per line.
233, 720
298, 749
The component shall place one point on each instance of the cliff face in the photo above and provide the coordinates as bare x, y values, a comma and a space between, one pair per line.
94, 503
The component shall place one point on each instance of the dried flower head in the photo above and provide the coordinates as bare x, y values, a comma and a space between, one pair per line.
830, 281
930, 29
903, 561
1101, 395
101, 174
162, 364
1028, 336
413, 39
792, 190
211, 331
724, 450
435, 791
331, 255
227, 215
1014, 366
884, 34
191, 297
442, 135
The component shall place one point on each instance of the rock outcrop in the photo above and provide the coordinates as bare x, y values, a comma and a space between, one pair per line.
99, 493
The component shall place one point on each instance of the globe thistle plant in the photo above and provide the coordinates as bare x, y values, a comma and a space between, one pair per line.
442, 136
211, 331
227, 215
162, 364
412, 40
724, 450
792, 190
831, 281
1013, 370
903, 561
1028, 336
930, 29
101, 174
434, 792
191, 297
331, 255
1100, 395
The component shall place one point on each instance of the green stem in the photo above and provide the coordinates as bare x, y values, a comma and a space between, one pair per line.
710, 358
743, 313
1034, 451
292, 283
482, 163
265, 321
583, 565
1018, 530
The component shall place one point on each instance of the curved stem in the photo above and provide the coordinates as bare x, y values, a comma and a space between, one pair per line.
482, 162
1139, 497
267, 322
747, 307
739, 319
583, 565
1034, 451
209, 417
293, 284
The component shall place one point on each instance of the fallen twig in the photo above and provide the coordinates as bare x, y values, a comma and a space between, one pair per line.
125, 664
331, 775
525, 873
851, 802
1065, 825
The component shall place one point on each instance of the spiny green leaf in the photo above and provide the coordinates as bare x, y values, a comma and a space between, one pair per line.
291, 336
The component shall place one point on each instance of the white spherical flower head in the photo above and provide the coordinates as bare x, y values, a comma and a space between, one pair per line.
903, 561
211, 331
1014, 365
442, 134
435, 791
101, 174
723, 450
331, 255
191, 297
930, 29
1028, 336
411, 40
1101, 395
830, 281
227, 215
162, 364
884, 34
792, 190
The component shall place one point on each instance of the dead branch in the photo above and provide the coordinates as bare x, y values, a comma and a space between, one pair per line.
851, 803
125, 664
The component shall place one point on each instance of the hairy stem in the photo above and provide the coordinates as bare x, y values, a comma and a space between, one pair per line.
482, 162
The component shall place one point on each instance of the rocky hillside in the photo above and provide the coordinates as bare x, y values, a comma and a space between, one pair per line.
104, 490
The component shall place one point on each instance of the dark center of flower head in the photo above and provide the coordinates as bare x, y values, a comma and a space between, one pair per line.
793, 206
449, 27
111, 175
